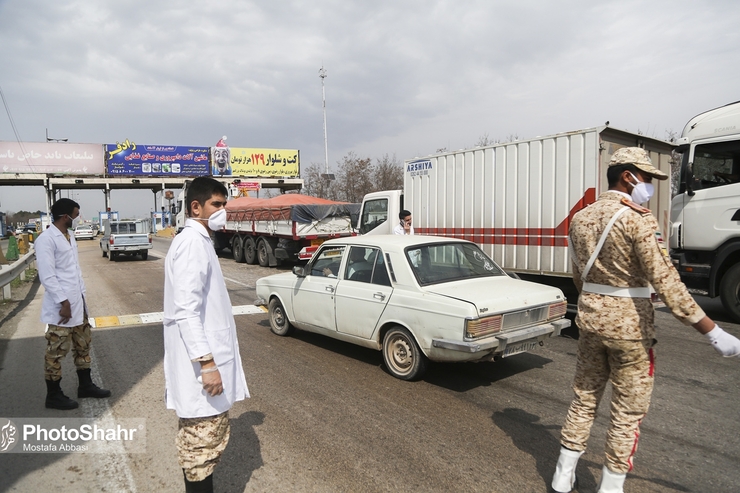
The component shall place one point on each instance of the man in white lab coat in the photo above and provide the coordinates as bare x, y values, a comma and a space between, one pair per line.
202, 366
63, 307
404, 226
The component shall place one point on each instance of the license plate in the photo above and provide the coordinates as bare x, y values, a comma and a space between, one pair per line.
519, 348
317, 241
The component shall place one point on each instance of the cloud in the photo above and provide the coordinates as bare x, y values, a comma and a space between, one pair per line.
404, 77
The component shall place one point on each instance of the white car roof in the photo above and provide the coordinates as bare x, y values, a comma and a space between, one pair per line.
395, 242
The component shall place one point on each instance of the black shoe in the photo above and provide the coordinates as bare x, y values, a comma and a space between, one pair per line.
87, 388
55, 398
205, 486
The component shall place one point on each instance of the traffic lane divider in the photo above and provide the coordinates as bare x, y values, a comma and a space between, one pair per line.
158, 317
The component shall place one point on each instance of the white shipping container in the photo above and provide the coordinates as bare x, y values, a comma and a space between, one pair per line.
516, 199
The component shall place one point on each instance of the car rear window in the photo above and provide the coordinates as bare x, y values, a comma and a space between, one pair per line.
447, 262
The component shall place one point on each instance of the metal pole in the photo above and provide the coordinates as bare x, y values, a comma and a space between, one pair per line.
322, 74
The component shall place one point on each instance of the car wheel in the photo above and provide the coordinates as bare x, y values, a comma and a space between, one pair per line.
237, 249
144, 254
111, 256
105, 254
262, 257
402, 355
250, 250
729, 291
279, 323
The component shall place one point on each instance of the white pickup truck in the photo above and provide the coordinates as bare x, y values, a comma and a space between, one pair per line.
131, 237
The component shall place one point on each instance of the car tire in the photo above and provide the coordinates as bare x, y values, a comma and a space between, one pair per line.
279, 323
250, 250
144, 254
262, 256
111, 256
402, 356
105, 254
237, 249
729, 292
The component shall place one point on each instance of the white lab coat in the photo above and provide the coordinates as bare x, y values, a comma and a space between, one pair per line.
61, 276
398, 230
197, 321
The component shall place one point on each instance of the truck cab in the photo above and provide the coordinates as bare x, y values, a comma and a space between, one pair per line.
379, 213
705, 214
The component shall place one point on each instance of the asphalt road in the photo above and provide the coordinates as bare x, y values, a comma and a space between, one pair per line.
325, 416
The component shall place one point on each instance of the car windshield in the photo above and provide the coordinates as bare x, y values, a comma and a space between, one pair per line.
84, 228
446, 262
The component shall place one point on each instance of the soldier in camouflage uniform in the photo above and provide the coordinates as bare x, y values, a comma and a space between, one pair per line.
203, 369
616, 256
64, 309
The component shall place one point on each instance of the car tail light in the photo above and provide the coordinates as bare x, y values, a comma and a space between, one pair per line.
150, 238
557, 310
110, 240
483, 326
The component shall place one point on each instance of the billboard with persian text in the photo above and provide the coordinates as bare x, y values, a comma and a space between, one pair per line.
53, 158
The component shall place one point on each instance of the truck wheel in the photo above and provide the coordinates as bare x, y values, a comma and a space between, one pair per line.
402, 355
144, 254
279, 323
111, 256
105, 254
729, 292
250, 250
237, 249
262, 256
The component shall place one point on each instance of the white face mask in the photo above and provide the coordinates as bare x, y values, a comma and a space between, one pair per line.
642, 191
217, 221
75, 221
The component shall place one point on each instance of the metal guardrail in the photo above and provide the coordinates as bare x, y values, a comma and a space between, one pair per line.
10, 272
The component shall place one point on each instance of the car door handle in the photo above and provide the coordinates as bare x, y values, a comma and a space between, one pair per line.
329, 288
379, 296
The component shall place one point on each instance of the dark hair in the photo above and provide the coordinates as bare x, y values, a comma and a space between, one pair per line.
614, 172
403, 214
62, 207
203, 188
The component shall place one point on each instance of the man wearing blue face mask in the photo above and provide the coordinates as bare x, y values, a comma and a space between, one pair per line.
616, 257
202, 365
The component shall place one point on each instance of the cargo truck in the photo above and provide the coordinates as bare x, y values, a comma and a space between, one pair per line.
515, 199
705, 214
286, 227
268, 231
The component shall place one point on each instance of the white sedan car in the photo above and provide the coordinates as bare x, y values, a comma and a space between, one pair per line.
83, 232
415, 298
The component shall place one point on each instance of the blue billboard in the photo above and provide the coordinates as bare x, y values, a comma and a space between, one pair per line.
129, 159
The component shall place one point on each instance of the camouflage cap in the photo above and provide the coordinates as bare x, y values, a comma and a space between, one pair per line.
640, 158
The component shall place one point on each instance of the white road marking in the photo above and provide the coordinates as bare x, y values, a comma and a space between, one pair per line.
112, 470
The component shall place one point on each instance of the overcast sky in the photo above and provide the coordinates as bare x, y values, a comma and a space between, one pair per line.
404, 77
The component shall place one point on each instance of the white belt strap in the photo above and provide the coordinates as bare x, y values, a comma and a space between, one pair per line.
615, 291
602, 288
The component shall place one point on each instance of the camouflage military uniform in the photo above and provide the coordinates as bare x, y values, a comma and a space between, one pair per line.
617, 333
200, 443
59, 339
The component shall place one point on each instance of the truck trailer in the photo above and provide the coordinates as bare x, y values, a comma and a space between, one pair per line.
286, 227
705, 214
515, 199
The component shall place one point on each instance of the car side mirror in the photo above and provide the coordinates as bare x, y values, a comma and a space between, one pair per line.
299, 271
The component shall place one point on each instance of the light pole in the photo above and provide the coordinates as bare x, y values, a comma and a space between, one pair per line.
327, 175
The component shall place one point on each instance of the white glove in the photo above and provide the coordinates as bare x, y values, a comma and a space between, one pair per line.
725, 344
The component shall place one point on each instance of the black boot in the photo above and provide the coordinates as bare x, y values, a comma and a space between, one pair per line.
55, 398
205, 486
87, 388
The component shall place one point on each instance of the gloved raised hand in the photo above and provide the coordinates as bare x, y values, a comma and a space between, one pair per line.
725, 344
